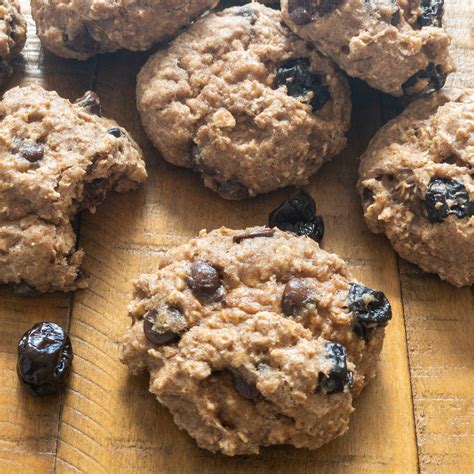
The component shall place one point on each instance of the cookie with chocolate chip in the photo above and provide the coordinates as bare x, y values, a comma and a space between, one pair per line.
81, 29
244, 102
12, 36
57, 159
417, 185
398, 47
254, 338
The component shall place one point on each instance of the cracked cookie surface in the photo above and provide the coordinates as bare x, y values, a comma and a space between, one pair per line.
417, 186
398, 47
82, 28
56, 159
254, 338
244, 102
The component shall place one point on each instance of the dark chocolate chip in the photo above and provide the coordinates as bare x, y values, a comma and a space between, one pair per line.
44, 358
338, 377
30, 151
82, 41
298, 215
91, 103
231, 189
204, 279
431, 79
245, 389
253, 234
164, 326
115, 132
370, 309
295, 296
431, 13
445, 197
299, 81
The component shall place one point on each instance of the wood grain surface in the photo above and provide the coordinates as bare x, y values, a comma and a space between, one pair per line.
417, 415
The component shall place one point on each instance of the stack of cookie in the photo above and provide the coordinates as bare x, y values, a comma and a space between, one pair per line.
253, 337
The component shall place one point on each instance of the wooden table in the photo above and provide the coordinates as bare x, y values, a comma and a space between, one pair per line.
416, 415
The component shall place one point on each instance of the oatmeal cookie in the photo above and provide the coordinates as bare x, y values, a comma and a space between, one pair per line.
397, 46
56, 159
417, 186
244, 102
82, 28
255, 337
12, 36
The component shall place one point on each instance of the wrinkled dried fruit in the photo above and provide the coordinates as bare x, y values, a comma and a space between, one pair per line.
164, 326
44, 358
426, 81
91, 103
431, 13
298, 215
446, 197
370, 309
295, 296
338, 377
299, 81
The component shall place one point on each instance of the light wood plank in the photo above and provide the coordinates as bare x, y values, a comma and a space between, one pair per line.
440, 321
109, 421
28, 424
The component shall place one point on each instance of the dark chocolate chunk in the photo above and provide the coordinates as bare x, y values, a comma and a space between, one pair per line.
31, 151
260, 232
245, 389
164, 326
295, 296
204, 279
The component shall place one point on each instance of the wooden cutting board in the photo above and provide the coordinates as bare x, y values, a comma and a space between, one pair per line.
417, 415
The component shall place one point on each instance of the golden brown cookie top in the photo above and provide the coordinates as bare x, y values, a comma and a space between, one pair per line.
417, 186
244, 102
